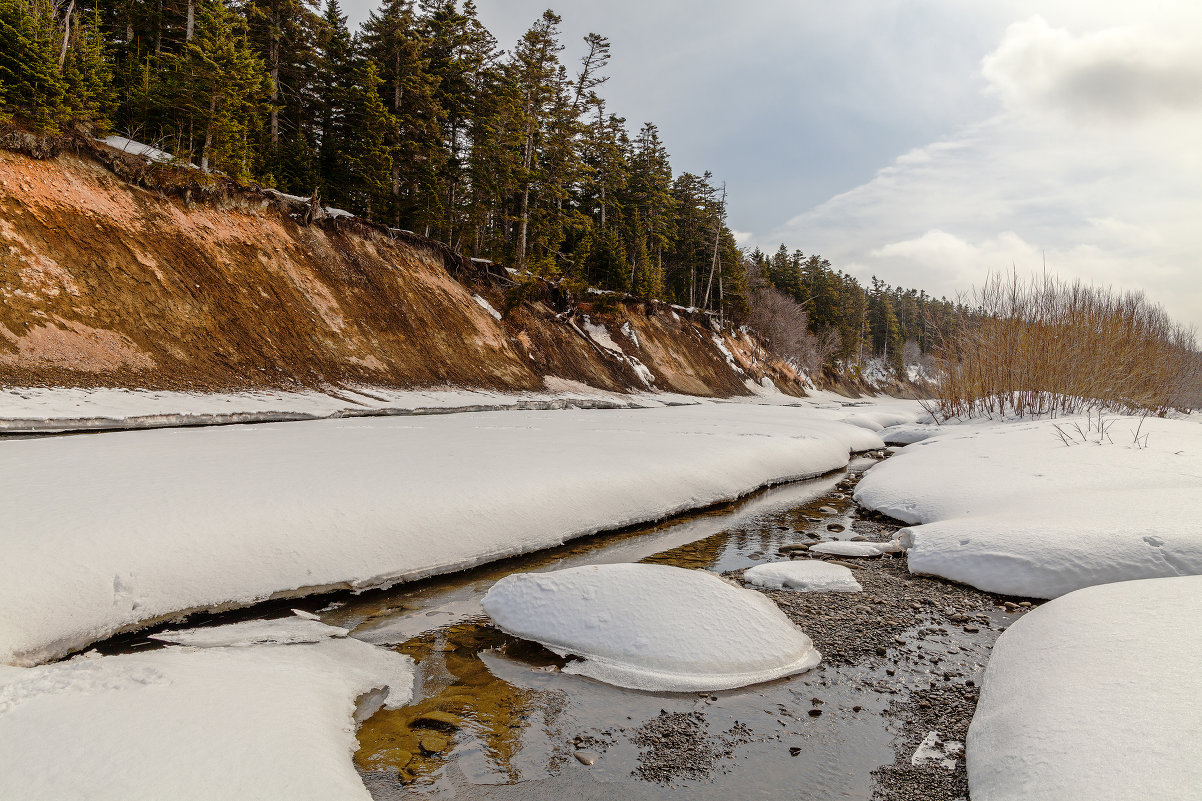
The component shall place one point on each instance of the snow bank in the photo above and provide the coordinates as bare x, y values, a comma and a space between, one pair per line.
107, 531
806, 575
1097, 694
266, 721
652, 627
1009, 508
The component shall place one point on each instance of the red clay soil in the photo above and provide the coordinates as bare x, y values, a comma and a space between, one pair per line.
104, 282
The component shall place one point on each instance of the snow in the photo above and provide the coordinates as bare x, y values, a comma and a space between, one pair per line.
1009, 508
299, 629
149, 152
848, 548
940, 752
1097, 694
484, 304
268, 721
652, 627
108, 531
806, 575
629, 333
600, 334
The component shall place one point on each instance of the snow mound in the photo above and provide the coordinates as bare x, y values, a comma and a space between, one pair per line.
288, 630
1010, 508
269, 722
847, 548
1097, 694
652, 627
807, 575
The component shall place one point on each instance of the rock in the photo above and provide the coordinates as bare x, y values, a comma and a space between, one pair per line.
880, 650
857, 538
836, 527
815, 713
586, 757
1010, 606
437, 719
794, 750
827, 510
971, 629
434, 742
790, 547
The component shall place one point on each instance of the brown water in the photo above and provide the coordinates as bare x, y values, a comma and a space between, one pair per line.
494, 718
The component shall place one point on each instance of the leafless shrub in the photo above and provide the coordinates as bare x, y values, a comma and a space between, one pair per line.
1049, 347
785, 324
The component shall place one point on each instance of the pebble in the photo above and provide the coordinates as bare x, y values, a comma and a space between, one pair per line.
827, 510
794, 750
586, 757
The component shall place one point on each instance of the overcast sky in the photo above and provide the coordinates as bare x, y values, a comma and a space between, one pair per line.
925, 141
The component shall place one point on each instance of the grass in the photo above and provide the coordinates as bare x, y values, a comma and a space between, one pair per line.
1048, 347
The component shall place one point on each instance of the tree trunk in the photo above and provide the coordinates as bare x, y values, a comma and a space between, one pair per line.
204, 155
191, 20
274, 55
62, 56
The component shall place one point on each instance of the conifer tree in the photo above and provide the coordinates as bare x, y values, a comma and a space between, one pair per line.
32, 86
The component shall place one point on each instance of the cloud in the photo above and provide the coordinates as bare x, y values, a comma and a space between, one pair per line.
1092, 161
1118, 74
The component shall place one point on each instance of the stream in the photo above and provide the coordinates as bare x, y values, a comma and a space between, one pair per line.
493, 717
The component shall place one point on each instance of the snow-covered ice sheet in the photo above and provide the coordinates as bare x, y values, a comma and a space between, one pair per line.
1009, 508
263, 722
1095, 695
652, 627
33, 409
806, 575
107, 531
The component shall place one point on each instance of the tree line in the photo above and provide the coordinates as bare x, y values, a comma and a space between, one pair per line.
420, 121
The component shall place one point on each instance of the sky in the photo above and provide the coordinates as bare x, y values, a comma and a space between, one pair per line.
926, 142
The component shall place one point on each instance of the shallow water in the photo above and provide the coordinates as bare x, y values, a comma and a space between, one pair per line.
494, 718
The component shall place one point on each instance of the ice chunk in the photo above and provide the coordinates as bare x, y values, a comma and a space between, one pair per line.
1097, 694
807, 575
652, 627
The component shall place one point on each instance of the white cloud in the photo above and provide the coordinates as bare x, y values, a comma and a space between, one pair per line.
1119, 73
1093, 161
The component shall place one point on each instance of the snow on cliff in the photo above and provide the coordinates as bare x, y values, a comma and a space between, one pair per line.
107, 531
1010, 508
652, 627
1097, 694
267, 721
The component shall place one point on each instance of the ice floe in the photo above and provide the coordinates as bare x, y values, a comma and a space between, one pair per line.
806, 575
848, 548
652, 627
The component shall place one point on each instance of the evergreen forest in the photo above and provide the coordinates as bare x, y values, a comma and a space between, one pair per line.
422, 121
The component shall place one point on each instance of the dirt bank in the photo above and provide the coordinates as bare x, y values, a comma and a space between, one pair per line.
118, 273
